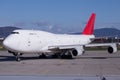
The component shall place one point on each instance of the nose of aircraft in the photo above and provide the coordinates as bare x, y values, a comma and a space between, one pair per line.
6, 43
9, 43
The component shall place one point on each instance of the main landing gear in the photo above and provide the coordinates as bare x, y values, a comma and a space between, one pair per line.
66, 55
63, 55
42, 55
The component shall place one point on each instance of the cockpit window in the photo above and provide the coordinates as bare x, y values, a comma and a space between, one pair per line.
15, 33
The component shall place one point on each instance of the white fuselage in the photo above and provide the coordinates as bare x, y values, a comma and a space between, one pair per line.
33, 41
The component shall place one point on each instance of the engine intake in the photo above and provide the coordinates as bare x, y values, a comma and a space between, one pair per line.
77, 51
74, 52
110, 50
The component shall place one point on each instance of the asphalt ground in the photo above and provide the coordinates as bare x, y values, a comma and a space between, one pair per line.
90, 64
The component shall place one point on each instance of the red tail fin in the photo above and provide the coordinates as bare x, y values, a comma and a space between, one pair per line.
90, 25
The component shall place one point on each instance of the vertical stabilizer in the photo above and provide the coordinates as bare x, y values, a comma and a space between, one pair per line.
90, 25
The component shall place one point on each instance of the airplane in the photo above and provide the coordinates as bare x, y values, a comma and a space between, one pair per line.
62, 45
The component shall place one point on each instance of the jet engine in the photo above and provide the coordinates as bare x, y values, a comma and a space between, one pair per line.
112, 49
77, 51
74, 52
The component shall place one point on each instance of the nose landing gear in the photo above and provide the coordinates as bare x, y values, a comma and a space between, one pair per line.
17, 56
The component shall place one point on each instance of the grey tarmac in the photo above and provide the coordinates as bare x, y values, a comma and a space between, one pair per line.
92, 63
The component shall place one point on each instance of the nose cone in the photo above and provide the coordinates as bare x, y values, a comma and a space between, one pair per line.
10, 44
7, 43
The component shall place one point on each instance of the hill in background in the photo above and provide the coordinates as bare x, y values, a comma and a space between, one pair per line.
103, 32
107, 32
5, 31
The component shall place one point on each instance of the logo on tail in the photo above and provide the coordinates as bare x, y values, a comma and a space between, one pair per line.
90, 25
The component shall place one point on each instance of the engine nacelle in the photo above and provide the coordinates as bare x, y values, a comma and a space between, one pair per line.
77, 51
112, 48
74, 52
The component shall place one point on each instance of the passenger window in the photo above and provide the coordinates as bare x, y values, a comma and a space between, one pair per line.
32, 33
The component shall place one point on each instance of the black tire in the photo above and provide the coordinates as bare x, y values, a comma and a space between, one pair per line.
42, 56
18, 59
55, 56
66, 57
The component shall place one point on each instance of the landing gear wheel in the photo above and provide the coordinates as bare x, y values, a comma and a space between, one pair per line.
55, 56
42, 56
18, 57
67, 55
63, 56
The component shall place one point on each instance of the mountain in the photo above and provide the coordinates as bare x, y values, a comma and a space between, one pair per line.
102, 32
5, 31
107, 32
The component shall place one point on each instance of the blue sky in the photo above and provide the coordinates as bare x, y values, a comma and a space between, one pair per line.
59, 15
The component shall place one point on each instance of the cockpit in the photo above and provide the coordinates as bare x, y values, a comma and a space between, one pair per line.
15, 33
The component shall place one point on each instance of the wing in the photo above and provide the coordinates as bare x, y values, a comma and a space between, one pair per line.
74, 49
112, 47
62, 47
100, 44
